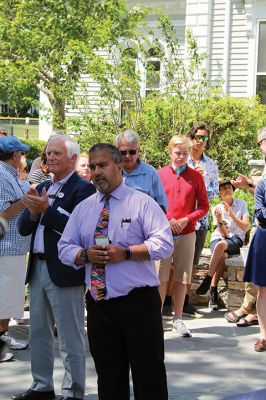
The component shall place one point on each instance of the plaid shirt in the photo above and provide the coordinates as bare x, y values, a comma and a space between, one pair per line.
211, 182
11, 190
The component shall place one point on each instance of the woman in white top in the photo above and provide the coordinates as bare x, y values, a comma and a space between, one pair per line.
231, 218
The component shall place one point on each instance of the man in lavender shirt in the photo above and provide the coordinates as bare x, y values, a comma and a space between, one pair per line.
125, 328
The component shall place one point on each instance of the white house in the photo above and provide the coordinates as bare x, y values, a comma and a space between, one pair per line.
231, 32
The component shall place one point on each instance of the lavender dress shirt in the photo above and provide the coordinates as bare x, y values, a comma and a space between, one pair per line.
134, 218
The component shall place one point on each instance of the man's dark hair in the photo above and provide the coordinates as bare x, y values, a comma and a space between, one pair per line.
196, 127
6, 156
115, 153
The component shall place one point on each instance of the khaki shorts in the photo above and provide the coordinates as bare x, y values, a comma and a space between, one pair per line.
182, 260
12, 286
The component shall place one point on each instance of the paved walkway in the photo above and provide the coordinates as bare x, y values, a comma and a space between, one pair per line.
217, 361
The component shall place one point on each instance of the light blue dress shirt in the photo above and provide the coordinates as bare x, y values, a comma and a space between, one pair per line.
134, 218
145, 178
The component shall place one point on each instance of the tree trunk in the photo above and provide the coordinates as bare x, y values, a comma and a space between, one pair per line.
58, 115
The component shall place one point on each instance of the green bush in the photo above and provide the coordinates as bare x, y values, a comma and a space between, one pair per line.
233, 122
36, 147
90, 131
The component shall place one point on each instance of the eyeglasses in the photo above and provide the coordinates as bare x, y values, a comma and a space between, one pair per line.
260, 142
201, 137
130, 152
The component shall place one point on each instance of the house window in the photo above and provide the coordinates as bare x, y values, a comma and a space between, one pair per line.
129, 65
125, 106
143, 76
4, 109
261, 65
153, 72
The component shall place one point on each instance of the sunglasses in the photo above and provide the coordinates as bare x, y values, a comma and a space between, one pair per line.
130, 152
260, 143
201, 137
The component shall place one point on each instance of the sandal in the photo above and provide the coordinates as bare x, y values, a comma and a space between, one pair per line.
260, 345
232, 317
243, 322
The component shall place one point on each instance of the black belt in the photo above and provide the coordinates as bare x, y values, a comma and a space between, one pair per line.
40, 256
142, 289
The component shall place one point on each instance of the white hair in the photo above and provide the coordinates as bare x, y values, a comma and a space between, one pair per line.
71, 145
129, 136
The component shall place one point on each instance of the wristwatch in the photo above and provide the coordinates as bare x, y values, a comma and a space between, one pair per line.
128, 253
84, 256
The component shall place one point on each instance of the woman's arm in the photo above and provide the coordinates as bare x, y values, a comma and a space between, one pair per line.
242, 222
260, 201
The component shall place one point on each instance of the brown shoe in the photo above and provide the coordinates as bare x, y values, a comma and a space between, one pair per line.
260, 345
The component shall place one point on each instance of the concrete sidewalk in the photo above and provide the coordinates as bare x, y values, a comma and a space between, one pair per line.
217, 361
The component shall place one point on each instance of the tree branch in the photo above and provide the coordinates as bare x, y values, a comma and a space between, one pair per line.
47, 92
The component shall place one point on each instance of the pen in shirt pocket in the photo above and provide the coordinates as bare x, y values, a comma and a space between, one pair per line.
125, 221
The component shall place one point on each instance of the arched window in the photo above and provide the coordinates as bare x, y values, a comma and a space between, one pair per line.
129, 63
153, 71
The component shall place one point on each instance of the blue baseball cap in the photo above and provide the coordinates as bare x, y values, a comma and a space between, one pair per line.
9, 144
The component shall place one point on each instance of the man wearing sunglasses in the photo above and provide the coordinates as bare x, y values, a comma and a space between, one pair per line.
136, 173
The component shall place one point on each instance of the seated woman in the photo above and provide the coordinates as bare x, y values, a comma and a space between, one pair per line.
231, 218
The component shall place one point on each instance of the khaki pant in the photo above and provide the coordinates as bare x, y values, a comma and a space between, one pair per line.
249, 302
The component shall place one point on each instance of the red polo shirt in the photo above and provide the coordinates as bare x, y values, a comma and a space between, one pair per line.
186, 194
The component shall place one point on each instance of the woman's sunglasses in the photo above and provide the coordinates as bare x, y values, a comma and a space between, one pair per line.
201, 137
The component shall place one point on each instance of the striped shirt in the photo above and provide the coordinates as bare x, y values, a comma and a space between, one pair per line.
11, 190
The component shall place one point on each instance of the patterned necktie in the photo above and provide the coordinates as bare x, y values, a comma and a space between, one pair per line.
98, 286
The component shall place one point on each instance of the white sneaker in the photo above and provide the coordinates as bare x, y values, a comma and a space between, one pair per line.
13, 343
180, 328
6, 357
19, 321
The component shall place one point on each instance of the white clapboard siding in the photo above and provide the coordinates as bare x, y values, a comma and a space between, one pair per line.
216, 48
238, 57
88, 97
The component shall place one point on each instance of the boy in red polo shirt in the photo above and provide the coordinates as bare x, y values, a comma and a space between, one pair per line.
187, 203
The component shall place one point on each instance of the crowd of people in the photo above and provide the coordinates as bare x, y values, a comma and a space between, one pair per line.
110, 227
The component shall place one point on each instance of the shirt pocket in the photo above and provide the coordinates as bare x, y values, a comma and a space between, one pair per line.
130, 232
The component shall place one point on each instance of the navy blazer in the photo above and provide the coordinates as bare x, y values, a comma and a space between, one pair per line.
75, 190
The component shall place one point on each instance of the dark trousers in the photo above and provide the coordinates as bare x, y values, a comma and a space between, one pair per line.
124, 333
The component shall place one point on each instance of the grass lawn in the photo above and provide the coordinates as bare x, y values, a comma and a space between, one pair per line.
20, 128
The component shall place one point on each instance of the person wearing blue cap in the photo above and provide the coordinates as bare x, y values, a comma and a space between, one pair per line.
13, 247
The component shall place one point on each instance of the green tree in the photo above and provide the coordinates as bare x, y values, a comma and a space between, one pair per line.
48, 43
17, 92
187, 98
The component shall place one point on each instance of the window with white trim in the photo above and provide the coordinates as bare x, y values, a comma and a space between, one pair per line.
149, 71
130, 57
261, 63
153, 72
